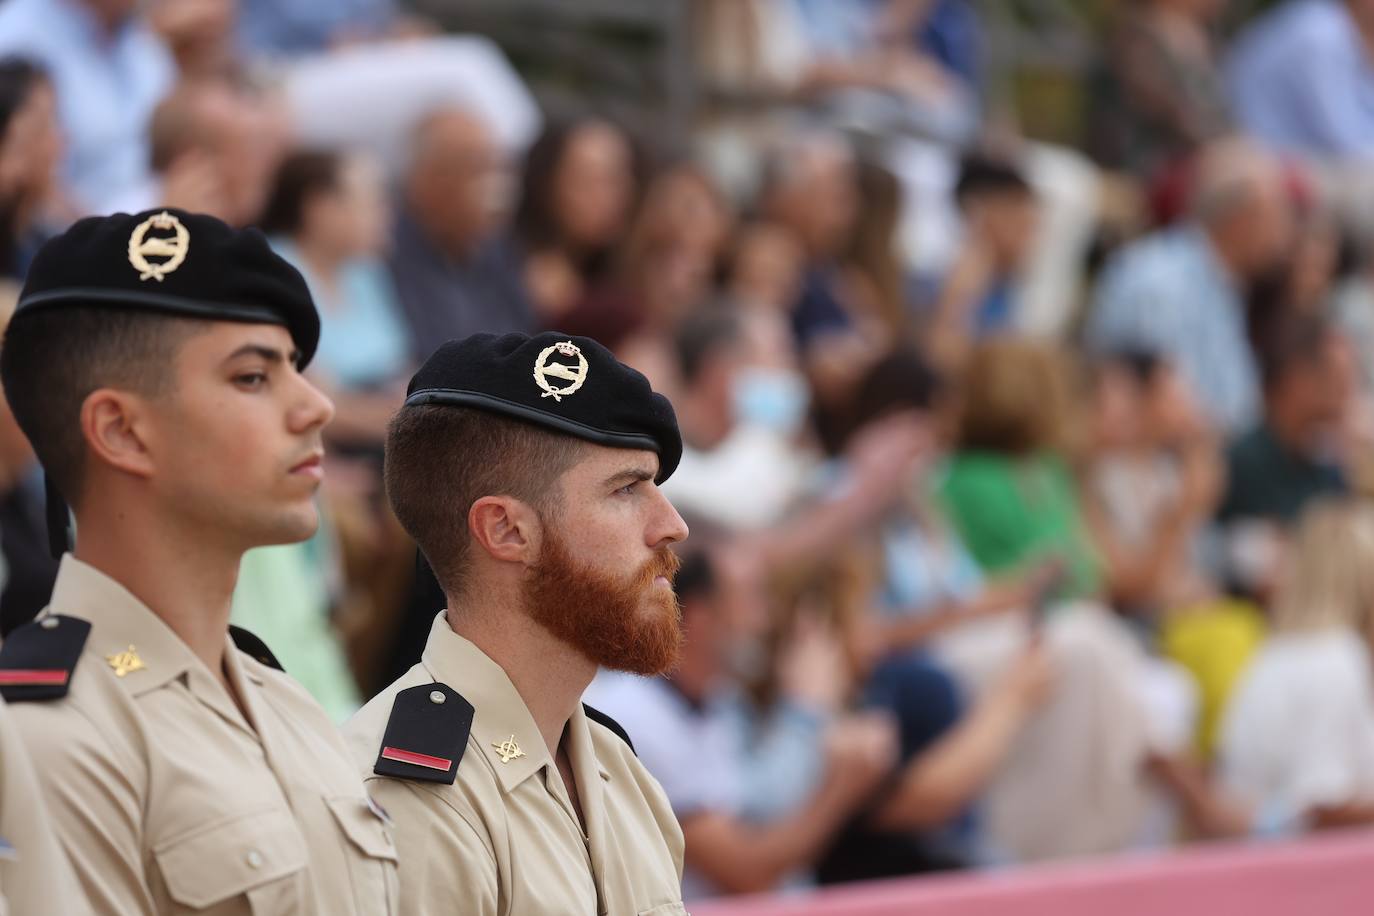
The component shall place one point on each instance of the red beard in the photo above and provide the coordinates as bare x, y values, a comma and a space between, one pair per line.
623, 623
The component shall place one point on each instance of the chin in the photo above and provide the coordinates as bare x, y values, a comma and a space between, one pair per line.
291, 528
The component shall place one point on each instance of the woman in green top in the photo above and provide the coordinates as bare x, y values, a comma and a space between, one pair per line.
1008, 490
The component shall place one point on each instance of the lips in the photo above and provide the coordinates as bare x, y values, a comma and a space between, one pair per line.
313, 466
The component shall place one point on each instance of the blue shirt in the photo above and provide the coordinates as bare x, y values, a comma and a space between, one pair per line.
275, 27
1302, 82
1169, 293
107, 87
363, 337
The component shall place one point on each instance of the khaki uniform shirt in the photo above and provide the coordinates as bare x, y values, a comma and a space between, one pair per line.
504, 838
169, 801
35, 879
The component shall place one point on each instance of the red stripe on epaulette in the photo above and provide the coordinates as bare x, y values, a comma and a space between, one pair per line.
20, 677
420, 760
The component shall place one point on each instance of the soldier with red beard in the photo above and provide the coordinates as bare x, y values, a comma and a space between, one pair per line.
527, 470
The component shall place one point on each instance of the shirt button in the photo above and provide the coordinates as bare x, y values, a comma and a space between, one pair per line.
254, 859
436, 696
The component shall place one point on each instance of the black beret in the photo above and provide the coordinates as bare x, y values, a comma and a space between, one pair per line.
572, 385
167, 260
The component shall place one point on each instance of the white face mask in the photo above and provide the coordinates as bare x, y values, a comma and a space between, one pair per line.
774, 399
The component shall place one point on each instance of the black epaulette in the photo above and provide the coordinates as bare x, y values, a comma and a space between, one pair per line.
426, 734
249, 644
37, 660
597, 715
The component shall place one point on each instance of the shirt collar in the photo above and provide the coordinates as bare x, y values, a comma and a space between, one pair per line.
122, 625
500, 715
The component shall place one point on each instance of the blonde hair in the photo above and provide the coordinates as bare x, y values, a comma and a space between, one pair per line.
1017, 398
1329, 579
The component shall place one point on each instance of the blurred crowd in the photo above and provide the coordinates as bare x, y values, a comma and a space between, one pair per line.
1027, 482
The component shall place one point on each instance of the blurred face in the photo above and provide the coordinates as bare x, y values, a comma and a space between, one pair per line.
352, 220
1119, 407
1010, 222
821, 201
767, 268
1173, 411
32, 147
594, 186
237, 443
603, 581
461, 187
246, 141
1314, 399
1264, 227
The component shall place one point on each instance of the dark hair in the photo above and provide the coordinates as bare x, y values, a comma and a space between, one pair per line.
18, 76
442, 459
300, 177
536, 216
54, 358
902, 380
1291, 342
695, 578
701, 335
1142, 365
980, 173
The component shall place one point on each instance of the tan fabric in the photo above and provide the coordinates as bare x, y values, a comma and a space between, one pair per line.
35, 878
168, 801
504, 838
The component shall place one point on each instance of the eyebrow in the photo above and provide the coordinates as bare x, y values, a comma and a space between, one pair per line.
629, 475
270, 354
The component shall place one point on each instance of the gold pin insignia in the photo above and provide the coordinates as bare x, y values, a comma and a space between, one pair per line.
173, 248
125, 662
544, 369
508, 749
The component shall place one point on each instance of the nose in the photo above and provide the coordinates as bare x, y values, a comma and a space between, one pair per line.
313, 408
668, 526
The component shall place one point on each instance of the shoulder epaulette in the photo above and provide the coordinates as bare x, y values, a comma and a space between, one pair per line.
37, 660
426, 734
249, 644
597, 715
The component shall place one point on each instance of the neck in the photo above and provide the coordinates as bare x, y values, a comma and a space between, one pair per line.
549, 676
182, 576
323, 263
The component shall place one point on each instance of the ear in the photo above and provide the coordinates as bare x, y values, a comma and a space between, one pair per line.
113, 423
506, 528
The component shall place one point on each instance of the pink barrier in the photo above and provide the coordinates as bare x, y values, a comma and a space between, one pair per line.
1331, 875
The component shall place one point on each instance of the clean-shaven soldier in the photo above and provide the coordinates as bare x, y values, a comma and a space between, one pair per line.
154, 363
527, 469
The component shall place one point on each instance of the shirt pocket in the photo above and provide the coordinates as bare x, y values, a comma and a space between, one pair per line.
258, 856
667, 909
373, 851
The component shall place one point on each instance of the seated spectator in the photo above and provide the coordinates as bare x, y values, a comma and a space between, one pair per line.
810, 188
1161, 94
665, 266
30, 150
1300, 74
1008, 489
1181, 292
764, 269
453, 275
1297, 743
1154, 481
872, 266
1295, 454
978, 295
215, 149
1297, 746
578, 194
802, 784
328, 216
110, 70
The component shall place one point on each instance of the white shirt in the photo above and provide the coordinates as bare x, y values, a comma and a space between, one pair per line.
1299, 731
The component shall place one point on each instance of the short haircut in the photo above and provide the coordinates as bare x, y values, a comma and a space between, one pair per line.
441, 459
696, 578
980, 174
701, 336
1295, 342
53, 359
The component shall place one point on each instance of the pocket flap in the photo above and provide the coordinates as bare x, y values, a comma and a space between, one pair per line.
363, 827
231, 857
